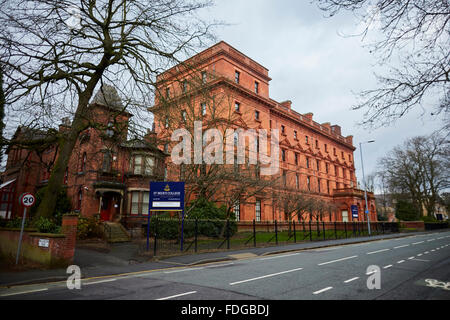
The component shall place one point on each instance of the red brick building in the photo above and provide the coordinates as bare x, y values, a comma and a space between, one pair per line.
314, 157
107, 175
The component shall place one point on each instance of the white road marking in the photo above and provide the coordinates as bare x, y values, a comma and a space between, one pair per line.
22, 292
177, 295
410, 258
266, 276
431, 240
383, 250
401, 261
388, 266
352, 279
220, 265
420, 254
426, 252
183, 270
406, 245
418, 242
280, 256
328, 262
97, 282
323, 290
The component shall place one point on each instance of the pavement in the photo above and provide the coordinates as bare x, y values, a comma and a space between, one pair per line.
125, 258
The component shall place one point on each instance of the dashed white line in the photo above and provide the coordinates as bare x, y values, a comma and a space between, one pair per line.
342, 259
406, 245
352, 279
97, 282
266, 276
387, 267
323, 290
418, 242
177, 295
401, 261
410, 258
378, 251
23, 292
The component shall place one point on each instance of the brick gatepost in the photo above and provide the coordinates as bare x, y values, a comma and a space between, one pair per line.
69, 228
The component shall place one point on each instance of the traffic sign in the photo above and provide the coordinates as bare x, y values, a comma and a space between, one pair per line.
27, 200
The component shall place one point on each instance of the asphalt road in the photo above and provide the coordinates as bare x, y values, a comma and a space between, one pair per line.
411, 268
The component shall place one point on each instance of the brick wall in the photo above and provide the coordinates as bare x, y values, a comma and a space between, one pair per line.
60, 250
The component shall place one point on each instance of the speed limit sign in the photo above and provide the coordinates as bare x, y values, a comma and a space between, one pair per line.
27, 199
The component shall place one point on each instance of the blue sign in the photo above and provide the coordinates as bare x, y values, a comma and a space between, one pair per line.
166, 196
354, 209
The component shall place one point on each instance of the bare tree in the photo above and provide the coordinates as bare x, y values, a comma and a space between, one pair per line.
419, 169
414, 32
56, 53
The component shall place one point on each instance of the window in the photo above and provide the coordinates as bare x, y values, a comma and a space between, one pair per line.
145, 201
344, 215
308, 183
318, 185
307, 162
137, 164
167, 92
237, 76
306, 140
110, 129
83, 162
326, 167
317, 144
326, 148
258, 210
237, 107
283, 155
184, 115
80, 198
336, 172
342, 155
256, 87
297, 181
284, 178
166, 123
295, 134
256, 114
149, 165
350, 157
237, 210
328, 187
185, 86
318, 165
204, 77
344, 173
107, 161
283, 129
203, 106
135, 202
66, 175
334, 151
296, 159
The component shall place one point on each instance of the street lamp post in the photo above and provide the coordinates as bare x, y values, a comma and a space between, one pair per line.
365, 184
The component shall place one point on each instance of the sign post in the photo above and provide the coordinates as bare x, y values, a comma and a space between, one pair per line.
166, 196
27, 200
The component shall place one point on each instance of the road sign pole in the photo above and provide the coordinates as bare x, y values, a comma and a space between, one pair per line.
21, 234
182, 229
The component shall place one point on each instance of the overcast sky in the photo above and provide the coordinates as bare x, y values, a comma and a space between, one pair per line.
315, 67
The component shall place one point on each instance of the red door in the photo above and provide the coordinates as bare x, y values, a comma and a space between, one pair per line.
105, 212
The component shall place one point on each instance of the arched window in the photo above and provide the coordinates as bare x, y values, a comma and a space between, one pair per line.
83, 162
79, 198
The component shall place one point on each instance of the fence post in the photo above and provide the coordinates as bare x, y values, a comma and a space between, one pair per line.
345, 229
254, 233
335, 231
276, 232
156, 237
382, 227
310, 232
323, 229
295, 236
196, 234
317, 230
228, 234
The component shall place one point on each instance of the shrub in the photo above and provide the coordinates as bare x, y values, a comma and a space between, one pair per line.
46, 225
63, 204
89, 228
17, 223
